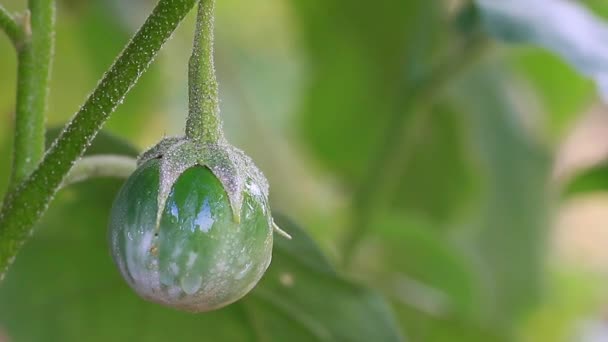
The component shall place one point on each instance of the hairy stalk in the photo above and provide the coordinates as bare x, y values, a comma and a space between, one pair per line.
35, 57
25, 205
11, 27
392, 154
204, 123
99, 166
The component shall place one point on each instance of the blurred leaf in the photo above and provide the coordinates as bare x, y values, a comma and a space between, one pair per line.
359, 72
542, 22
104, 143
515, 170
439, 144
588, 180
89, 38
468, 19
64, 287
552, 79
71, 79
452, 328
575, 298
403, 252
98, 21
333, 309
301, 247
131, 13
431, 283
599, 7
362, 98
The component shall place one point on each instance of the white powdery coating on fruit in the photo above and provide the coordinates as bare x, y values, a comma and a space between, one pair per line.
238, 174
174, 268
244, 271
231, 264
192, 291
142, 267
191, 259
159, 149
217, 283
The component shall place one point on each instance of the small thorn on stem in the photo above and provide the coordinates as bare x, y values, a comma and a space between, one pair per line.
280, 231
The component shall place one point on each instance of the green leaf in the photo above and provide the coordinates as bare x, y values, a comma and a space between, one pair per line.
301, 247
599, 7
589, 180
541, 22
330, 308
362, 92
563, 92
440, 143
359, 71
97, 22
90, 36
510, 240
407, 251
64, 287
431, 282
430, 328
574, 296
104, 143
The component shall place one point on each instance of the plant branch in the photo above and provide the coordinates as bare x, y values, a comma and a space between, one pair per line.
391, 156
25, 205
99, 166
35, 57
10, 26
203, 122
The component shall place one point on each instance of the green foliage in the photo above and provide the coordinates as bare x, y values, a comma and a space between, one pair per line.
422, 186
430, 281
97, 22
511, 236
593, 179
361, 72
21, 209
537, 67
406, 127
104, 143
300, 297
540, 22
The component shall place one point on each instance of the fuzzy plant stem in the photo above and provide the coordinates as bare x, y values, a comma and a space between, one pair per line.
11, 27
203, 123
24, 206
35, 56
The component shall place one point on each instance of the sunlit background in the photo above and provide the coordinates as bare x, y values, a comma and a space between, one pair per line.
430, 161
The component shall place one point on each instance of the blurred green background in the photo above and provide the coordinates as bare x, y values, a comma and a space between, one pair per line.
426, 160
